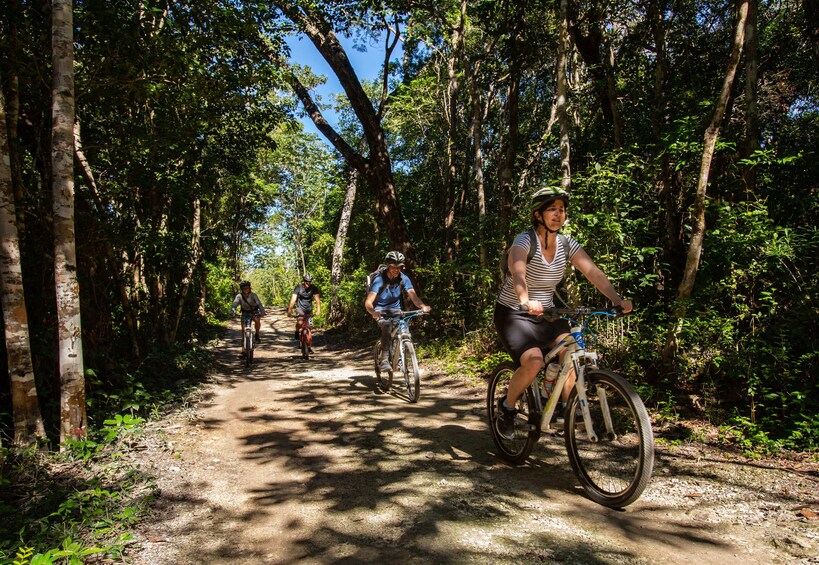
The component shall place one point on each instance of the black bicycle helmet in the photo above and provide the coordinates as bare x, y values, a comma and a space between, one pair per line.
394, 258
307, 277
244, 284
547, 195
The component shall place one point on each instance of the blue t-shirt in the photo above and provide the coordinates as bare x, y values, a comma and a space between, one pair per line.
388, 293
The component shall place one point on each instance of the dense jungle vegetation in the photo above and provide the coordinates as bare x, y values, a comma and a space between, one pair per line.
192, 171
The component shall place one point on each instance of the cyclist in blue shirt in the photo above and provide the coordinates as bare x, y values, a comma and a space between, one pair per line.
384, 300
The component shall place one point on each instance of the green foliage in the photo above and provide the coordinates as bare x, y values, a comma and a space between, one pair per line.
53, 513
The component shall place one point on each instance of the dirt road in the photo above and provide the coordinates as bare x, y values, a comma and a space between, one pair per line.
307, 462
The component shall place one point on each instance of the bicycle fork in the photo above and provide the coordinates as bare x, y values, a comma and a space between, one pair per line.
580, 359
397, 342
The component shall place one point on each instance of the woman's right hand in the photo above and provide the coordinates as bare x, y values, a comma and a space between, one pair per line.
535, 307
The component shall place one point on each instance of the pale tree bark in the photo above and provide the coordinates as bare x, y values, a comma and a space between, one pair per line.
338, 249
25, 405
698, 232
562, 91
190, 267
108, 247
477, 171
72, 380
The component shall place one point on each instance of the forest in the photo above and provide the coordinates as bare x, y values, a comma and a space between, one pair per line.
153, 155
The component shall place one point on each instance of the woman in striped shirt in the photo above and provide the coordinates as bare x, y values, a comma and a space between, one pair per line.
524, 335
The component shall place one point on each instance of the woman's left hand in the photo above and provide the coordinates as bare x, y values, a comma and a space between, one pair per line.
627, 306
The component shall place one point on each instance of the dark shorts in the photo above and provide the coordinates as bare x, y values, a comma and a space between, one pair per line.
519, 332
251, 313
303, 312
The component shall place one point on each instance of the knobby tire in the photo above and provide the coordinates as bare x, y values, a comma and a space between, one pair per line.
412, 376
615, 470
248, 348
527, 421
305, 344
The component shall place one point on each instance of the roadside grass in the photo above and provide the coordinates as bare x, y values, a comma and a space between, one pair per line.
83, 503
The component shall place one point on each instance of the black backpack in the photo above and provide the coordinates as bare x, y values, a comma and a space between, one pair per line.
368, 283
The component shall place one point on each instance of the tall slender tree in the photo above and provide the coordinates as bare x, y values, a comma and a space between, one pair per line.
709, 144
28, 422
72, 378
376, 167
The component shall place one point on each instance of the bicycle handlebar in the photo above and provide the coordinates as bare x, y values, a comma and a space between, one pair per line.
614, 312
404, 313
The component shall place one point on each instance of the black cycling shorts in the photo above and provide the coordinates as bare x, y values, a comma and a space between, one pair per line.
519, 332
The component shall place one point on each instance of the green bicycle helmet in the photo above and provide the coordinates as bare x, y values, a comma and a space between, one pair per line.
547, 195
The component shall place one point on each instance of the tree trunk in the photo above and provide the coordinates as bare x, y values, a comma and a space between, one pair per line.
512, 123
698, 232
25, 405
562, 96
376, 169
335, 316
190, 267
601, 69
108, 247
611, 90
72, 378
476, 131
13, 117
669, 219
751, 143
453, 119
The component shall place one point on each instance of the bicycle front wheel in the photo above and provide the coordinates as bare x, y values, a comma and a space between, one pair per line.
527, 420
412, 376
248, 348
615, 468
383, 378
305, 344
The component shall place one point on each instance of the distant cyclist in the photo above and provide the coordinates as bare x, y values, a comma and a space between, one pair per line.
527, 338
384, 300
302, 298
249, 302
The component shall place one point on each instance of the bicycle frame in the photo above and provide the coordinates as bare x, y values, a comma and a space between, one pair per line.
247, 334
400, 334
577, 358
306, 324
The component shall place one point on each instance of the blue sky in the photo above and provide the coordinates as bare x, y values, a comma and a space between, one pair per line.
366, 64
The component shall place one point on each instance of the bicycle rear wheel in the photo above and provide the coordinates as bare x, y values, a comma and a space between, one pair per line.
412, 376
305, 344
527, 421
384, 378
248, 348
615, 469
